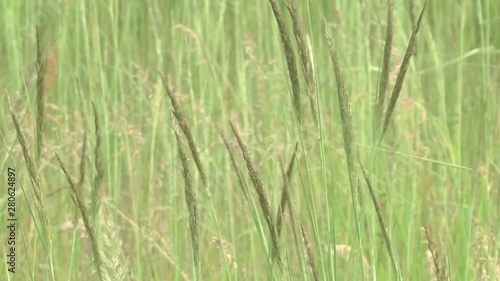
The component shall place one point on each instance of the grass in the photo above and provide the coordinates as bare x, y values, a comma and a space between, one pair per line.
386, 112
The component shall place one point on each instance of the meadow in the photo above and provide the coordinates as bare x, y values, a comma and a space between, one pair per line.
250, 140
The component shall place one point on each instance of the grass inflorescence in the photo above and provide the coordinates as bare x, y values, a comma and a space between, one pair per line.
263, 199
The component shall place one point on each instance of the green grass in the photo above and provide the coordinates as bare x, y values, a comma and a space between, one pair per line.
191, 183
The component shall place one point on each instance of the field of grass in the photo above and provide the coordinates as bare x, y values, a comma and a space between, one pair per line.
250, 140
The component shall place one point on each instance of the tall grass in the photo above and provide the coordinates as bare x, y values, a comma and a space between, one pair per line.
191, 203
77, 196
263, 199
335, 86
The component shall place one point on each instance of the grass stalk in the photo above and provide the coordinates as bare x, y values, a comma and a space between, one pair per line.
413, 20
99, 170
305, 56
383, 225
181, 120
240, 176
290, 58
115, 264
232, 157
192, 206
401, 75
40, 205
40, 96
259, 188
384, 74
291, 209
285, 194
436, 269
347, 129
77, 196
310, 254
